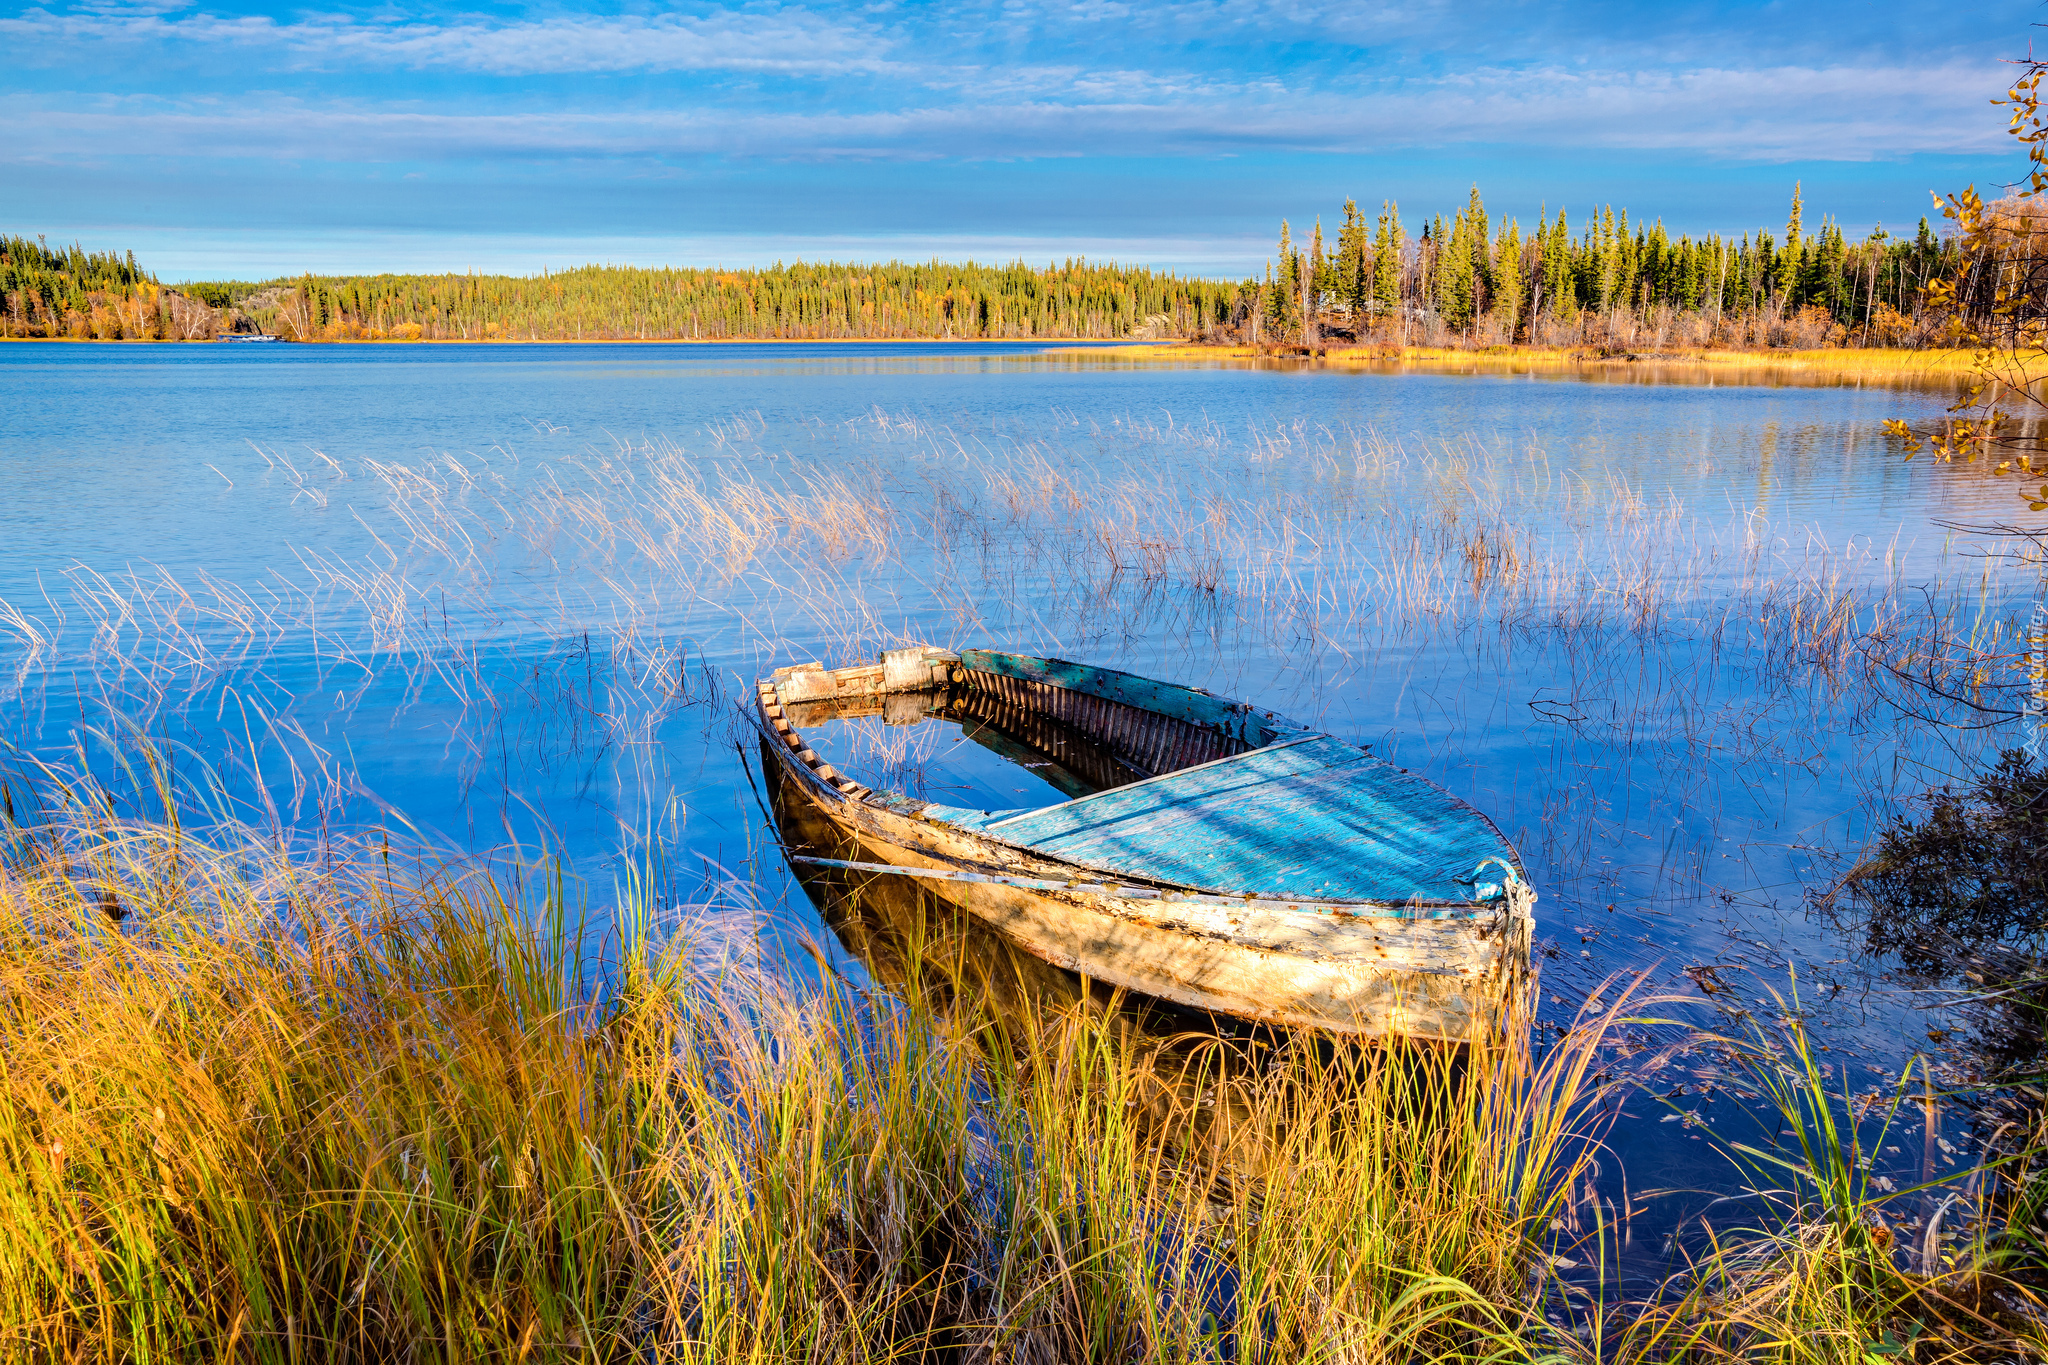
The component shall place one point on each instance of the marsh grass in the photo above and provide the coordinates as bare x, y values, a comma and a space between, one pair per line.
1332, 540
1878, 363
287, 1112
1827, 1258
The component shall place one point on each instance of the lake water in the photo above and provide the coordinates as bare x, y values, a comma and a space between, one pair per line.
506, 597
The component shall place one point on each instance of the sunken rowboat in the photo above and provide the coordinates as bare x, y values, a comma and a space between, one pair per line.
1220, 857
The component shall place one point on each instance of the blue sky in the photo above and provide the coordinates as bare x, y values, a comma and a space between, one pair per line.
256, 139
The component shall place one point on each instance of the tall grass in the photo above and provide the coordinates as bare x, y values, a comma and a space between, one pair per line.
1845, 362
287, 1112
284, 1112
1827, 1260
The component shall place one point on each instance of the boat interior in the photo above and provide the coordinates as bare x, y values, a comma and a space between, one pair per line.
1164, 783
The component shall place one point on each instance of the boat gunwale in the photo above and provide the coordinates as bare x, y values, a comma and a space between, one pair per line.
1085, 878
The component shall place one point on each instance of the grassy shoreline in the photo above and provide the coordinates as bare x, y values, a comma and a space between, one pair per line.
282, 1112
579, 341
1872, 362
1847, 362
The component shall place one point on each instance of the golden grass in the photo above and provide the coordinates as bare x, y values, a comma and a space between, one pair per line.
278, 1115
1872, 362
283, 1112
281, 1115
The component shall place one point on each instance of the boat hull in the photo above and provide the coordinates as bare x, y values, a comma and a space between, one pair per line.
1352, 972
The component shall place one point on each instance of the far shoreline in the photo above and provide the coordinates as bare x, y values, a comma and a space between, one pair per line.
1878, 363
1892, 362
1101, 343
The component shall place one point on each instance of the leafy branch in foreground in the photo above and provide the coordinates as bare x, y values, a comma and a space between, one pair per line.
1997, 297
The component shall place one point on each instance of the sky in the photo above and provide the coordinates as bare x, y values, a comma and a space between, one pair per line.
250, 140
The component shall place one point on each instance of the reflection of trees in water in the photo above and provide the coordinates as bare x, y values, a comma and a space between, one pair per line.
1966, 887
1960, 895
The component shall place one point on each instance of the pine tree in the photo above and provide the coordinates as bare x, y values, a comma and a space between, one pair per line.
1427, 252
1628, 260
1454, 274
1557, 269
1319, 283
1283, 310
1354, 280
1606, 262
1481, 238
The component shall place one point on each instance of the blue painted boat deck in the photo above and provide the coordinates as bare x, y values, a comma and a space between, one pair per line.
1315, 818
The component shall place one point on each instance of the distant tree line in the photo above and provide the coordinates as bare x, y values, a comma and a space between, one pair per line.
1471, 280
78, 294
49, 291
1465, 280
1076, 299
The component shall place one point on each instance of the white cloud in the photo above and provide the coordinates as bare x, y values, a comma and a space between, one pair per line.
1778, 113
785, 41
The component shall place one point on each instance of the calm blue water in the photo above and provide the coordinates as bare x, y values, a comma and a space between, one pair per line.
506, 597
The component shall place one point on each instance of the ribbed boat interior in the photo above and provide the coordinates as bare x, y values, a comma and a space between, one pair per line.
1177, 791
1107, 743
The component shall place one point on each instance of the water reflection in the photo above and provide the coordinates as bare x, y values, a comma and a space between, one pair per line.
1963, 889
1957, 893
1634, 615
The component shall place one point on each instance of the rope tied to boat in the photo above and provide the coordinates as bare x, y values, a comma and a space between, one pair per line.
1512, 885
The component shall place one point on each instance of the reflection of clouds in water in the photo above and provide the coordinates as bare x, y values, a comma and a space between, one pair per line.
937, 759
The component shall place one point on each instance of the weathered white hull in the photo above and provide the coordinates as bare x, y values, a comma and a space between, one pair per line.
1351, 970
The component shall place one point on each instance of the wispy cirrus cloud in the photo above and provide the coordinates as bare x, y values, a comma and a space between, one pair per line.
1763, 114
785, 41
985, 115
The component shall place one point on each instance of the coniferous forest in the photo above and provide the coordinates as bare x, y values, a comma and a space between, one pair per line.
52, 293
1473, 280
1463, 280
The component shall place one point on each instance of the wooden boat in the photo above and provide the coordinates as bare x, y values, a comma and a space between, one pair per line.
1214, 855
1187, 1079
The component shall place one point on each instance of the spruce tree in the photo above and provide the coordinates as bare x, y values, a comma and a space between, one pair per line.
1607, 261
1628, 257
1481, 239
1387, 252
1557, 269
1427, 284
1586, 255
1354, 281
1507, 278
1284, 309
1454, 274
1318, 279
1788, 260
